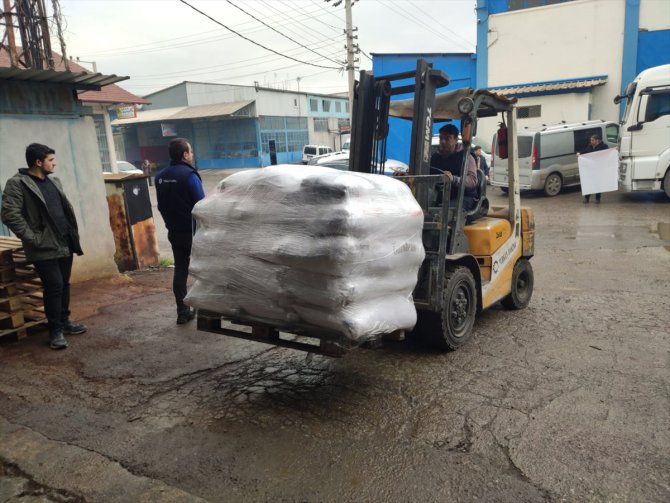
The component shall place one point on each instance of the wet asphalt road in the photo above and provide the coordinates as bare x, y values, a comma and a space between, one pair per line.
566, 400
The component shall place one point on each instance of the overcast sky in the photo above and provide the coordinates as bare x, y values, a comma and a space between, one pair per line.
159, 43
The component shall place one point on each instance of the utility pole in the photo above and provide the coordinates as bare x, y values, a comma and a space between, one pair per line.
350, 54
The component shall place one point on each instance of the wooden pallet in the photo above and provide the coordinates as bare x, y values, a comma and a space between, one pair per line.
21, 305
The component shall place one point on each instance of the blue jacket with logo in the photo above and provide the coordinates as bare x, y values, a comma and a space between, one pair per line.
178, 188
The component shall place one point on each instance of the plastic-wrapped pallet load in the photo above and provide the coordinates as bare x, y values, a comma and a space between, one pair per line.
311, 249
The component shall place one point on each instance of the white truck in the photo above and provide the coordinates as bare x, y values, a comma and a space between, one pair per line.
644, 141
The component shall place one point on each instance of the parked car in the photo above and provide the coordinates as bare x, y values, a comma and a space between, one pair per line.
340, 160
547, 155
128, 169
309, 151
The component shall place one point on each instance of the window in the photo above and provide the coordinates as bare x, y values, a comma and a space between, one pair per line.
583, 138
338, 107
658, 105
101, 135
525, 144
612, 133
529, 112
346, 106
313, 105
325, 104
320, 124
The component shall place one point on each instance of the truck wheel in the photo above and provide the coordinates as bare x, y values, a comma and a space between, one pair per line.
666, 183
451, 328
522, 286
553, 185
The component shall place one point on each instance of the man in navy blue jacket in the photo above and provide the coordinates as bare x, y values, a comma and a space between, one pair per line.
178, 188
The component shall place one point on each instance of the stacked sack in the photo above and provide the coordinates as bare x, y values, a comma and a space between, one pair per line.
309, 248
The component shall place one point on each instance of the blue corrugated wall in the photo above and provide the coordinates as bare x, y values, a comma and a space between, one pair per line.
459, 67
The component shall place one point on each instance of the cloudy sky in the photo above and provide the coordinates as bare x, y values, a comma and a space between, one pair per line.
159, 43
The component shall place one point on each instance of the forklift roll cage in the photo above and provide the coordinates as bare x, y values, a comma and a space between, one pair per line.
444, 237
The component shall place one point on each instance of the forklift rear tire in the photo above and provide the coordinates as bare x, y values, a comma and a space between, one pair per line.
522, 286
453, 326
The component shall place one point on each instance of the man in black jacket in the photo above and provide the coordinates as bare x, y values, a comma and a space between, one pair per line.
595, 145
36, 209
178, 188
449, 159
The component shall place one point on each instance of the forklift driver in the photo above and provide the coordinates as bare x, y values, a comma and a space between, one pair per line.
448, 159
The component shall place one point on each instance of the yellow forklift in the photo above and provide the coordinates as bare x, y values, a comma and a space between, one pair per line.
474, 259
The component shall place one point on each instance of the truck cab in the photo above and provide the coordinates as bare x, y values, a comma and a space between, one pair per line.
644, 142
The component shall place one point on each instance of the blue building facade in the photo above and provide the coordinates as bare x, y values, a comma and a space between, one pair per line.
459, 67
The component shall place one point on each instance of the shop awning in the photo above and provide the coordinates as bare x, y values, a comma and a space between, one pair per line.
192, 112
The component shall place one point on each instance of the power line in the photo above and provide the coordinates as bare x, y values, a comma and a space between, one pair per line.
195, 40
252, 41
280, 33
411, 17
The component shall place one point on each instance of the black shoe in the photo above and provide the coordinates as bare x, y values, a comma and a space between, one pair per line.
57, 341
186, 316
72, 328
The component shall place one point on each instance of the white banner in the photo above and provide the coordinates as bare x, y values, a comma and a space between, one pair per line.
599, 171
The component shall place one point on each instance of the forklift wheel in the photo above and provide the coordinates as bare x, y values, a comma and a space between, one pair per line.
453, 327
522, 286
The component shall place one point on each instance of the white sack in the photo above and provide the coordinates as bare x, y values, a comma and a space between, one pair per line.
293, 246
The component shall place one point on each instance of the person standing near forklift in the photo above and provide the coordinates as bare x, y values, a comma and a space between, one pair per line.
178, 188
448, 160
36, 209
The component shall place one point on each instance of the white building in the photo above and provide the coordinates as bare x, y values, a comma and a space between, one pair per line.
566, 60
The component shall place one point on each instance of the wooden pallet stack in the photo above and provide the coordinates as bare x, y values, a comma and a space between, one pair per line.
21, 306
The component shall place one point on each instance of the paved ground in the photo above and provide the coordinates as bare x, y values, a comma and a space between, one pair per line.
564, 401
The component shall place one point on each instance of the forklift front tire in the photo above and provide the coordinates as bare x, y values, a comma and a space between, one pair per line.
522, 286
459, 309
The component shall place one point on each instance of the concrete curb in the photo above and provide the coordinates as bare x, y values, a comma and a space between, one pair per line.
80, 474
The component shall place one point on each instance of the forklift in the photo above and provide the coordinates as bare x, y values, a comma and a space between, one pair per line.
474, 259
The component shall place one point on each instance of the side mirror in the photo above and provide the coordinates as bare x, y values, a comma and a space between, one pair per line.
636, 127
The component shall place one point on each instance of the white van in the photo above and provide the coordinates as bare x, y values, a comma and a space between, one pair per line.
644, 146
309, 151
547, 155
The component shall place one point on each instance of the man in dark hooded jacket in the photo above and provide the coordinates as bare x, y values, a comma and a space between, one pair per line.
36, 209
178, 188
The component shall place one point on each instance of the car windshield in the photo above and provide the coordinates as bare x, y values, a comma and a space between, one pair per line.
125, 166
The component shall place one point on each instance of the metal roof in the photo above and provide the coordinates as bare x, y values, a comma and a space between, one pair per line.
553, 87
180, 113
80, 80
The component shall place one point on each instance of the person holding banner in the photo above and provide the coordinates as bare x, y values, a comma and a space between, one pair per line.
595, 145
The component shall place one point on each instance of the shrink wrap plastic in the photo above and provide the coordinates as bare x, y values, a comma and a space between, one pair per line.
311, 249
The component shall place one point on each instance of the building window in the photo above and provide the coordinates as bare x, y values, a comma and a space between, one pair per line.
320, 125
338, 107
313, 105
326, 105
346, 106
529, 112
101, 134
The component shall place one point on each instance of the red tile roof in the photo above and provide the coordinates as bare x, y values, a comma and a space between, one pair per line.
110, 94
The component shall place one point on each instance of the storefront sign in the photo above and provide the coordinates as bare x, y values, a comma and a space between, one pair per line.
169, 129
